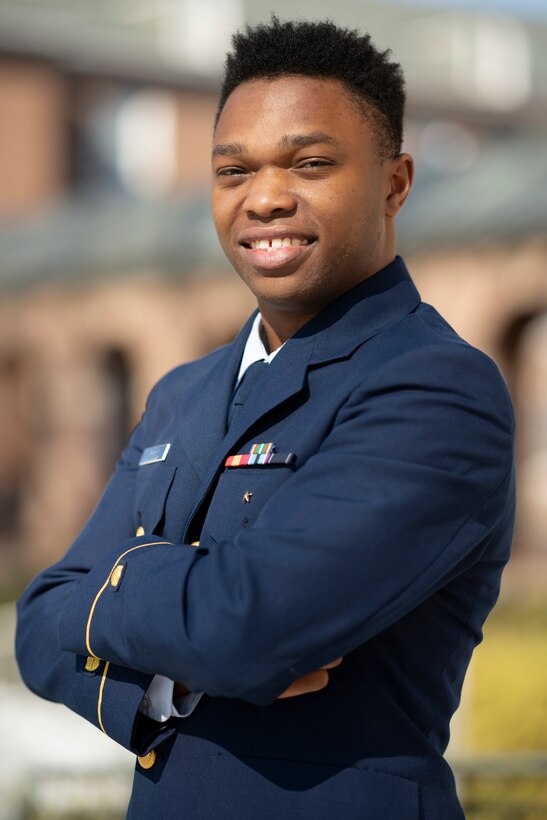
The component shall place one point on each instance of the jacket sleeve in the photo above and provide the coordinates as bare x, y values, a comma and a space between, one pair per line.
106, 694
405, 493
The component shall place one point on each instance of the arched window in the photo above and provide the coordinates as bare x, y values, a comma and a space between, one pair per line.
15, 444
526, 355
116, 378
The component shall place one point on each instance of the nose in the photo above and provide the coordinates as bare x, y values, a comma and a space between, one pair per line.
269, 194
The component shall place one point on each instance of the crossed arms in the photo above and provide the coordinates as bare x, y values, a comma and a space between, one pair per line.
405, 491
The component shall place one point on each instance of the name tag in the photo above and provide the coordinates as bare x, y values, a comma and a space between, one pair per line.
150, 455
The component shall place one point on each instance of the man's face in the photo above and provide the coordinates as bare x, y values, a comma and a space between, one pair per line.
301, 199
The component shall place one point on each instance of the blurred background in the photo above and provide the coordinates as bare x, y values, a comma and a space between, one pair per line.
110, 274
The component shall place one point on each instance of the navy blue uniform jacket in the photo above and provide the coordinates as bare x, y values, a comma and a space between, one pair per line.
383, 542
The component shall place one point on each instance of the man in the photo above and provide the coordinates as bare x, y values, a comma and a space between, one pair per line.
352, 495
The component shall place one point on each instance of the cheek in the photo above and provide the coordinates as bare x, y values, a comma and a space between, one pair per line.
341, 207
344, 229
217, 220
222, 211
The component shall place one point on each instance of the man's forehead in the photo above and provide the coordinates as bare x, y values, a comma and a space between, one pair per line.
284, 113
294, 98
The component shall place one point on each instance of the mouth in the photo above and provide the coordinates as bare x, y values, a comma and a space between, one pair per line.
269, 250
275, 243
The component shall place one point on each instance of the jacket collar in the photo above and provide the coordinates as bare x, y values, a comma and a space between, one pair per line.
335, 333
363, 311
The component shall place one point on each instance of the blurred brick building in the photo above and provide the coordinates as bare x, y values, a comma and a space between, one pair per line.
110, 272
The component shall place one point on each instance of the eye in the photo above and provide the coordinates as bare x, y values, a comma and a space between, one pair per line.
229, 171
314, 164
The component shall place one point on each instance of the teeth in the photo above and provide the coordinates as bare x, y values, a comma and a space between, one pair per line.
278, 242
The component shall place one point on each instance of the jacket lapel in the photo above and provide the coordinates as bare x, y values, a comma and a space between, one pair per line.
335, 333
283, 378
202, 408
375, 304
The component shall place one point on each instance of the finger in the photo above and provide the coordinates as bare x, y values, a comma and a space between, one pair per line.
312, 682
332, 664
306, 684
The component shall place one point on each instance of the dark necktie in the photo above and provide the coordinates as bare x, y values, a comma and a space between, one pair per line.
245, 388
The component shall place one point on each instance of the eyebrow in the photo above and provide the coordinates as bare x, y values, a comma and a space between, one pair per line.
304, 140
231, 149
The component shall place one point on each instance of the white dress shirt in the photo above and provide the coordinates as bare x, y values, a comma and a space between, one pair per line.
158, 702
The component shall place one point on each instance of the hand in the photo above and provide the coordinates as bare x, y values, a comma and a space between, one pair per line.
312, 682
179, 689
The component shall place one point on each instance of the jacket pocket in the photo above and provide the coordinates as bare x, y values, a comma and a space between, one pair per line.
153, 484
251, 788
239, 497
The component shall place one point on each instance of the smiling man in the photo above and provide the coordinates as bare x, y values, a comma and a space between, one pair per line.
275, 602
304, 194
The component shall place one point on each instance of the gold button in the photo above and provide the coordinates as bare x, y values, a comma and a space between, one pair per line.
140, 531
92, 664
195, 543
116, 576
147, 761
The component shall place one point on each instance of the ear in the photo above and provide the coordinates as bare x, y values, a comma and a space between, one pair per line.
401, 174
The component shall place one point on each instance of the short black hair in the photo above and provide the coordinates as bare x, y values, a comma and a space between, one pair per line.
323, 50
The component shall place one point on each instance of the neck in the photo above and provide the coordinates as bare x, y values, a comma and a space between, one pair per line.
278, 327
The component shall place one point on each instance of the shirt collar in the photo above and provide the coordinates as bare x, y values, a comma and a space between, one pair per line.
254, 350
